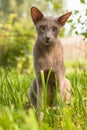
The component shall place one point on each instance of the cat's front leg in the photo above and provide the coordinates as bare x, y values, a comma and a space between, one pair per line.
36, 97
65, 90
39, 98
36, 94
33, 94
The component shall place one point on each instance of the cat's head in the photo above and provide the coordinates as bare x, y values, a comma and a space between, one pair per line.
48, 27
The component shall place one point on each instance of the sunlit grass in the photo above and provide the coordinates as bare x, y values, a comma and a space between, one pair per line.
13, 97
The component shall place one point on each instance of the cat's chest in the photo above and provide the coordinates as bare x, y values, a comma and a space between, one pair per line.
49, 60
46, 60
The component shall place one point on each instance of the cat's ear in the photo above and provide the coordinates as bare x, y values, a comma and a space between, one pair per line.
62, 19
36, 14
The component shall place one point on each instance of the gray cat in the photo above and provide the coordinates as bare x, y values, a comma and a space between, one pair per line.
48, 53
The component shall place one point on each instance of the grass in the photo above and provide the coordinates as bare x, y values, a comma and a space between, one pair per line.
13, 96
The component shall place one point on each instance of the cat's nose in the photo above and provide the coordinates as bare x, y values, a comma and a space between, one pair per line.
47, 38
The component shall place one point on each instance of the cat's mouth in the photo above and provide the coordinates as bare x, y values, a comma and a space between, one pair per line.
47, 42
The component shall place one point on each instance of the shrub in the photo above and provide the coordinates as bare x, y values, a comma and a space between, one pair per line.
16, 40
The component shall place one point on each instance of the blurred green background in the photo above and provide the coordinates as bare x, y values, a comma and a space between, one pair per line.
17, 33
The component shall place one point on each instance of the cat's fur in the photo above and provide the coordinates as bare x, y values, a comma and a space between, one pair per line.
48, 53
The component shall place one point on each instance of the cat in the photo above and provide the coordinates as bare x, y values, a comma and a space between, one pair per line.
48, 53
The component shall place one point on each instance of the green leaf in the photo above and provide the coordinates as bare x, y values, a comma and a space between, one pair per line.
70, 21
86, 12
76, 11
69, 125
82, 1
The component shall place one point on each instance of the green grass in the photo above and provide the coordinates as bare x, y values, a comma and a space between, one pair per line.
13, 97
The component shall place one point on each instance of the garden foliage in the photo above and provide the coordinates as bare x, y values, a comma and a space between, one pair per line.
16, 43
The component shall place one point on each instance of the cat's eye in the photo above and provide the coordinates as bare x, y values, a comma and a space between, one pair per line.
42, 27
54, 29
